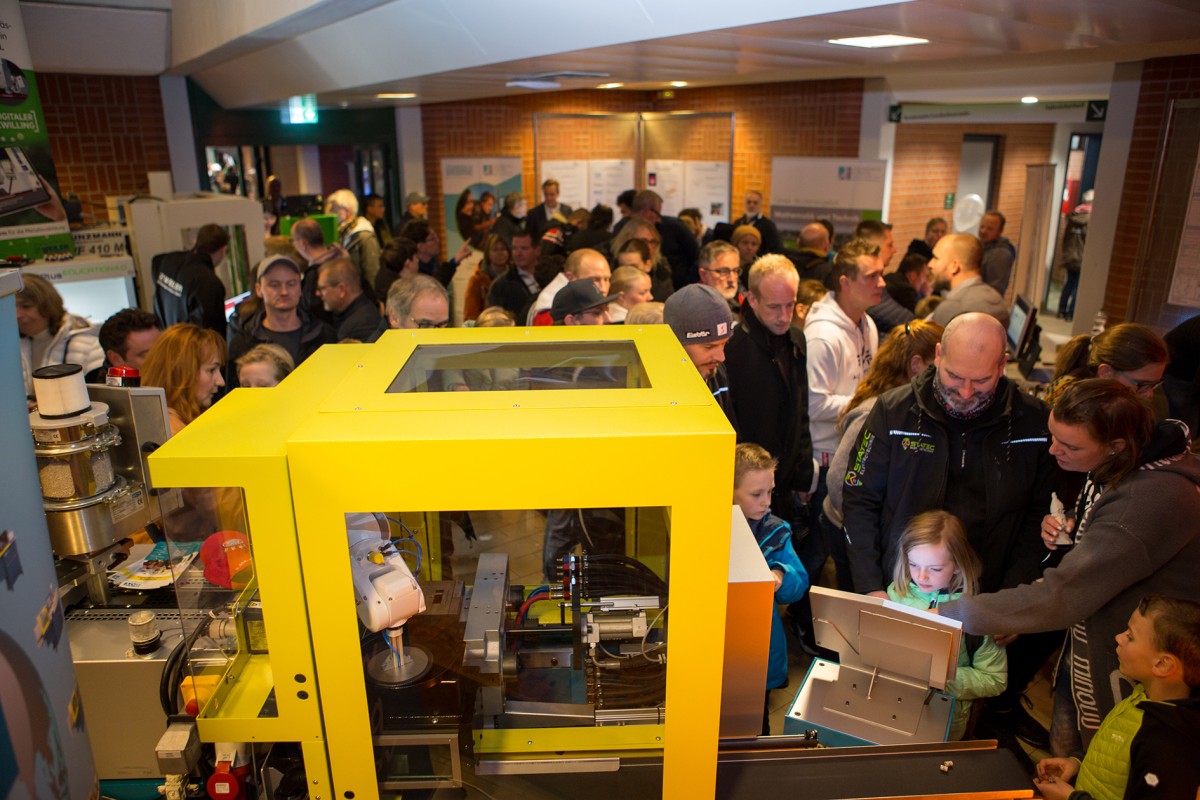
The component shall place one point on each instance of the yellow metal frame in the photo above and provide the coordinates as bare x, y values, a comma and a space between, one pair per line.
330, 440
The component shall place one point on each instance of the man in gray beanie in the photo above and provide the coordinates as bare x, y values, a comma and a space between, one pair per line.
701, 320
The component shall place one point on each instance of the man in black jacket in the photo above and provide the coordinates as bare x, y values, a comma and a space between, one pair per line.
679, 246
701, 320
962, 438
516, 288
771, 241
281, 320
767, 362
355, 315
186, 286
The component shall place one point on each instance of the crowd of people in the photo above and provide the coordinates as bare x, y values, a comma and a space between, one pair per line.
882, 449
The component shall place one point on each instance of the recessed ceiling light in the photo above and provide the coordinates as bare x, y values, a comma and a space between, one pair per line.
679, 84
884, 40
610, 86
1029, 99
395, 96
533, 84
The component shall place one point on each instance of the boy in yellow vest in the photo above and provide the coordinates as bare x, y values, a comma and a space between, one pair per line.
1147, 745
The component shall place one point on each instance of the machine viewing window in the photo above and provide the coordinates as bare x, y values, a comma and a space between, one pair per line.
515, 367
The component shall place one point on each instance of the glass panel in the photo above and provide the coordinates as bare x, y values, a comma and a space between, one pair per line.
519, 366
507, 620
210, 555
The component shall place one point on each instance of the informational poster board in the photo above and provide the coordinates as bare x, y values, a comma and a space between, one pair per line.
1185, 282
706, 187
608, 177
666, 176
33, 221
841, 190
572, 177
474, 176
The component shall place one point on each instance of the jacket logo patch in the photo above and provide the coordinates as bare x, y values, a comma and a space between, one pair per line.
854, 474
916, 445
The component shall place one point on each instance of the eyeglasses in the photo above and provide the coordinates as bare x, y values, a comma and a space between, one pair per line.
725, 272
1141, 387
426, 324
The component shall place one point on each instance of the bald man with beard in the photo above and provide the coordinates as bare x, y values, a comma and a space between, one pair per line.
961, 438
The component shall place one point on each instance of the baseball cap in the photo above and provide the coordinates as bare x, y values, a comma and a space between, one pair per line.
270, 262
697, 314
576, 297
412, 198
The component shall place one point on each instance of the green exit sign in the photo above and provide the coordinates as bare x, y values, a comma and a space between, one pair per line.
301, 110
948, 203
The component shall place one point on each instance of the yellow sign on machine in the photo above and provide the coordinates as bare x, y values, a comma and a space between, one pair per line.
605, 433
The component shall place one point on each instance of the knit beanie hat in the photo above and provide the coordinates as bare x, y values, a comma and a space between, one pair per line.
742, 231
697, 314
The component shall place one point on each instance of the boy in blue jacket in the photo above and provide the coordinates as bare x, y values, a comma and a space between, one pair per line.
753, 481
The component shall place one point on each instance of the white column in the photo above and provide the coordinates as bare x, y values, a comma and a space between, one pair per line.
181, 140
1110, 184
877, 136
410, 143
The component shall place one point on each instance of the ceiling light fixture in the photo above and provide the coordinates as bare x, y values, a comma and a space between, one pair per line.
679, 84
1029, 99
395, 96
884, 40
610, 86
533, 84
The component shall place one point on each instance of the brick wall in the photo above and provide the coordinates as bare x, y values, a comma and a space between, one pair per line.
813, 118
106, 132
926, 166
1143, 250
803, 118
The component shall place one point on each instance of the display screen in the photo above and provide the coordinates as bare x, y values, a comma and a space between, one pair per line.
1018, 324
523, 366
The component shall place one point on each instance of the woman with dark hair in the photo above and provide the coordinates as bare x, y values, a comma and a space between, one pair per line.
596, 234
1130, 353
1133, 532
464, 212
496, 257
51, 335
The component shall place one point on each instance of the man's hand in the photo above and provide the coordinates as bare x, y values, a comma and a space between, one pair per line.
777, 574
878, 594
1003, 639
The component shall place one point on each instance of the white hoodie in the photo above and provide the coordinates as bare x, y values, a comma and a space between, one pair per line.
839, 356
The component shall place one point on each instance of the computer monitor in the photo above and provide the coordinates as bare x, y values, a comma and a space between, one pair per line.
1020, 326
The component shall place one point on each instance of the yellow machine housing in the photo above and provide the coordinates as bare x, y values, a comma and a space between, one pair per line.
355, 429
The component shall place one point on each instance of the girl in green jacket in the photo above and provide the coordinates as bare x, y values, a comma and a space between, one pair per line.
936, 563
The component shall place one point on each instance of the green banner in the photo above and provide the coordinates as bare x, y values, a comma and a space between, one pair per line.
33, 222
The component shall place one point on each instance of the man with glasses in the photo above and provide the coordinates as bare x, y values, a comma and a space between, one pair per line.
281, 320
719, 266
418, 302
355, 315
767, 363
679, 246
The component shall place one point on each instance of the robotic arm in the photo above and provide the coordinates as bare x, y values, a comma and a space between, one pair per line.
386, 594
